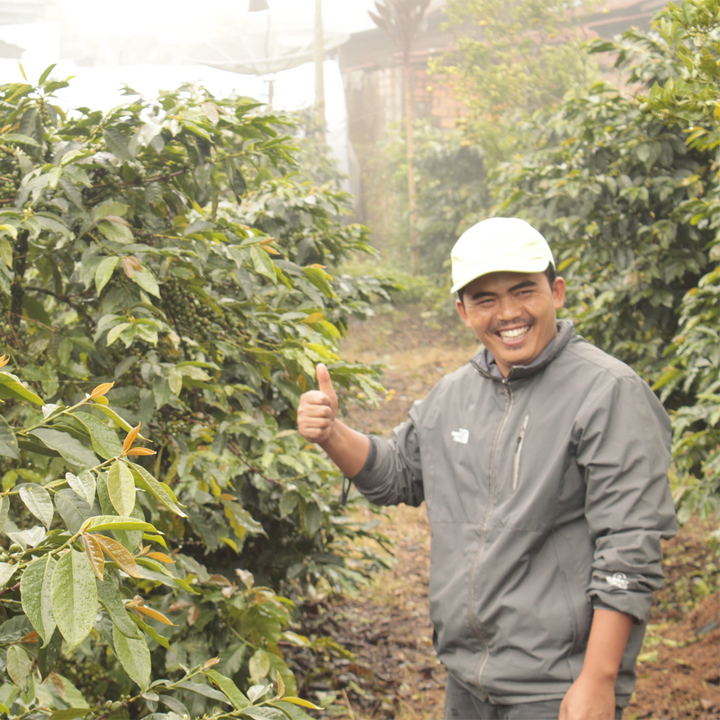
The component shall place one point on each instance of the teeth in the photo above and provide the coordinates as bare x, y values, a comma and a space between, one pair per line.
515, 333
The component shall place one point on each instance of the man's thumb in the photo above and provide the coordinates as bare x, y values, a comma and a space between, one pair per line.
324, 382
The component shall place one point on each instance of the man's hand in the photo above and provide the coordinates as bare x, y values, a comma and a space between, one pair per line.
317, 409
589, 698
592, 695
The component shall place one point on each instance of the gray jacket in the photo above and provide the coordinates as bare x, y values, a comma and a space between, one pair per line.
547, 493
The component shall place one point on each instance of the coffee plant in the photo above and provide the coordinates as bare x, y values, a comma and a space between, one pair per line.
168, 271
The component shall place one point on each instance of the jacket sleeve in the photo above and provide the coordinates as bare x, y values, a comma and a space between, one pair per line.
393, 471
623, 447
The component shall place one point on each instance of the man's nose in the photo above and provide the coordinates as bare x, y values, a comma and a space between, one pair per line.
508, 308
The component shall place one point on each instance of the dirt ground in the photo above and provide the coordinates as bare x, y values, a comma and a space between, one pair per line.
393, 672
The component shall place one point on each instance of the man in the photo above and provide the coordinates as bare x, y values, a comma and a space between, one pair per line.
543, 463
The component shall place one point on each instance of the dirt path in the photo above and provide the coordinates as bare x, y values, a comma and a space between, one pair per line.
394, 672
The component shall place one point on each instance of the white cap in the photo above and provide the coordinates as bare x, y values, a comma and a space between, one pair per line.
498, 245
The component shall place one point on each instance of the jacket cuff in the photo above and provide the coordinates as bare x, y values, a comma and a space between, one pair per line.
637, 605
363, 479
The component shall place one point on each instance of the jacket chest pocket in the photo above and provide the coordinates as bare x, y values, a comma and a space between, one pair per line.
518, 452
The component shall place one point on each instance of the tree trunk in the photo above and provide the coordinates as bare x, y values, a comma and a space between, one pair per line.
410, 157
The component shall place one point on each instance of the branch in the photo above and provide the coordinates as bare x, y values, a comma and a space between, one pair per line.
65, 299
9, 590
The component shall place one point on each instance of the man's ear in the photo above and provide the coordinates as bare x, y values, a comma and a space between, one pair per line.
558, 291
462, 312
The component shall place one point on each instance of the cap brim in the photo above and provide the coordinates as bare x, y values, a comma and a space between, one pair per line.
521, 265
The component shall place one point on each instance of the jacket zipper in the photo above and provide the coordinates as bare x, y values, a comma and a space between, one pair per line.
483, 533
516, 463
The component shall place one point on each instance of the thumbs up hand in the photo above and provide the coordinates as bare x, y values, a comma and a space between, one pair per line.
317, 409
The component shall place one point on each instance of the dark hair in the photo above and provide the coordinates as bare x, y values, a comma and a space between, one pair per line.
550, 274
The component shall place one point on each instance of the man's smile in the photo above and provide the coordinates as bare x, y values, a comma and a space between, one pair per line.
514, 333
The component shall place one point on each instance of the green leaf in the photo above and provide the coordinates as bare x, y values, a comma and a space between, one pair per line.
116, 331
38, 501
264, 713
134, 656
73, 509
5, 247
263, 264
259, 665
113, 522
117, 144
161, 491
69, 448
205, 690
74, 597
49, 655
6, 572
229, 688
18, 665
121, 488
83, 485
118, 421
175, 380
19, 138
146, 279
46, 73
295, 713
312, 518
115, 232
4, 509
8, 441
36, 596
105, 441
319, 278
11, 387
69, 714
110, 599
104, 272
150, 631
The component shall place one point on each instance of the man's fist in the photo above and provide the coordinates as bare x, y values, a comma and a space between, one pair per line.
317, 409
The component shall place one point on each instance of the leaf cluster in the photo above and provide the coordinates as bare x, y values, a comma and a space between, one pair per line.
176, 252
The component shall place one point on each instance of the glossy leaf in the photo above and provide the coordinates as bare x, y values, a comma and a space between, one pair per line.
158, 489
104, 272
134, 657
74, 597
38, 501
67, 446
105, 441
239, 701
6, 572
110, 598
8, 441
114, 522
121, 488
36, 596
84, 485
10, 387
18, 665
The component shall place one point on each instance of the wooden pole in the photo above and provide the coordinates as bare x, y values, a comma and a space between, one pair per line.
410, 156
319, 74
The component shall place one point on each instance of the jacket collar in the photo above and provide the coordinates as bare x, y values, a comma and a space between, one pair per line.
486, 365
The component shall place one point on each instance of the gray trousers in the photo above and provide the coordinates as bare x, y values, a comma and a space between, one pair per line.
463, 705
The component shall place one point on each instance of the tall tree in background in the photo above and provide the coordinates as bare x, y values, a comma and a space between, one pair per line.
402, 20
513, 57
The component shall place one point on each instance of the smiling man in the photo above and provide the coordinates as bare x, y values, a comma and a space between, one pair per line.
543, 464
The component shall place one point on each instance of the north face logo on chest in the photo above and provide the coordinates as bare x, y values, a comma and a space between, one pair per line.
462, 435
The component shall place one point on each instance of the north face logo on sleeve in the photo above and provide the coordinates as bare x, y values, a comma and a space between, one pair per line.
618, 580
462, 436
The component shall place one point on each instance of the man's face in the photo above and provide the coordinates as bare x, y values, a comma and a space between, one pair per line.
513, 314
